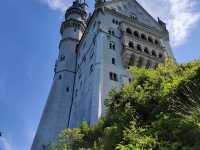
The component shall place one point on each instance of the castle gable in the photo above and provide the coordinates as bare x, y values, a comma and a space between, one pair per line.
133, 9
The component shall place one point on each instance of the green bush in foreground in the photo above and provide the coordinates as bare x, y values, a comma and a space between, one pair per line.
158, 110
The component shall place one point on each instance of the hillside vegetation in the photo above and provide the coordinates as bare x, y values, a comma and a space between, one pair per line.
158, 110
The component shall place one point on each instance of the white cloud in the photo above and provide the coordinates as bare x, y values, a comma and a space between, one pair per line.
58, 4
180, 16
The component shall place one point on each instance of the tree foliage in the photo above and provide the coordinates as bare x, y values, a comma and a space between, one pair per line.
158, 110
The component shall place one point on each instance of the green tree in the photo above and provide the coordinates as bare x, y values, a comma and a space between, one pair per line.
158, 110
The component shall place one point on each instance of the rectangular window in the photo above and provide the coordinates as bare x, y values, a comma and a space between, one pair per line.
62, 58
91, 68
59, 77
113, 61
112, 45
67, 89
113, 76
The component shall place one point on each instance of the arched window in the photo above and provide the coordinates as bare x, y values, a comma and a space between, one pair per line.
154, 53
60, 77
111, 31
113, 76
112, 45
139, 48
113, 61
150, 39
128, 30
131, 45
160, 55
157, 42
62, 58
136, 34
146, 50
113, 21
143, 36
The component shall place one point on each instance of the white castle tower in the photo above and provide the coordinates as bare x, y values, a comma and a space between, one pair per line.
94, 57
57, 110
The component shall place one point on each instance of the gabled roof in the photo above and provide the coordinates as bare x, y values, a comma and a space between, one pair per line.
132, 8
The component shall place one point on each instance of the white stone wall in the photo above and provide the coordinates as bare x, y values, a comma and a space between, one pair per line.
92, 89
89, 103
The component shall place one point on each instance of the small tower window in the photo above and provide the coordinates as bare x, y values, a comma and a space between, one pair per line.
91, 68
150, 39
160, 55
139, 48
60, 77
133, 17
154, 53
146, 50
143, 36
131, 45
67, 89
113, 61
128, 30
44, 147
62, 58
113, 76
156, 42
136, 34
111, 31
115, 21
112, 45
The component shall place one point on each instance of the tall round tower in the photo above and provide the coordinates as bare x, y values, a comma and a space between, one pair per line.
57, 111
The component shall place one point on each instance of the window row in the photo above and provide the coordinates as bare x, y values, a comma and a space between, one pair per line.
114, 21
145, 50
60, 78
142, 36
111, 31
84, 58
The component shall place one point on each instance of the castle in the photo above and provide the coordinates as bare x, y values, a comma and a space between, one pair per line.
94, 55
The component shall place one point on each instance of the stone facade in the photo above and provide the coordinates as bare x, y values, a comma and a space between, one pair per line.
94, 57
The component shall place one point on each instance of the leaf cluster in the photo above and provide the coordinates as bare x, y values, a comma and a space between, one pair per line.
158, 110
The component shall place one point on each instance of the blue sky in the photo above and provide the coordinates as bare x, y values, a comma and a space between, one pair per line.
29, 38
